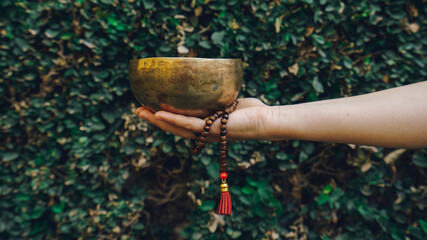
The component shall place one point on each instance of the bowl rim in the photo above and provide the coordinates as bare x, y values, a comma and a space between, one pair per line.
186, 58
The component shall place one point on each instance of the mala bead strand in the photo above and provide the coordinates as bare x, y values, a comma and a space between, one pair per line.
224, 207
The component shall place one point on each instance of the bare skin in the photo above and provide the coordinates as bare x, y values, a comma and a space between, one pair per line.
391, 118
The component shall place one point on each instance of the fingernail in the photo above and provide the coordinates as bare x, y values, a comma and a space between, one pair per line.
142, 114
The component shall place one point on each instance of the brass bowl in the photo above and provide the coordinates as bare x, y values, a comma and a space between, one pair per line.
188, 86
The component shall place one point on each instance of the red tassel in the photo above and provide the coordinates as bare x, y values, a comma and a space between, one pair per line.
224, 207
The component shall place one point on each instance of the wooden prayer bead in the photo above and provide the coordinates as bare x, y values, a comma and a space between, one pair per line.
207, 128
222, 127
205, 133
209, 122
212, 118
224, 121
223, 132
225, 116
223, 138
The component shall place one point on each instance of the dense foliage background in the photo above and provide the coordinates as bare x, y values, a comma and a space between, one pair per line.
76, 163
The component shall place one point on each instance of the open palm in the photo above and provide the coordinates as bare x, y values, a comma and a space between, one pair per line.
247, 122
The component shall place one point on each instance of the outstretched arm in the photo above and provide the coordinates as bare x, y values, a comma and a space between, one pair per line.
395, 117
391, 118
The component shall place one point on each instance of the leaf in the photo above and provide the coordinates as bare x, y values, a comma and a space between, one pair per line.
182, 49
347, 63
423, 225
420, 161
198, 11
278, 24
365, 167
213, 170
393, 156
415, 232
322, 199
327, 189
10, 156
217, 37
251, 181
37, 212
281, 156
317, 85
317, 38
233, 233
109, 116
148, 4
309, 31
248, 190
50, 33
206, 160
207, 205
205, 44
294, 69
58, 208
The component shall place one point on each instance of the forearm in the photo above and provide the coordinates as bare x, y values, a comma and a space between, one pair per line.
392, 118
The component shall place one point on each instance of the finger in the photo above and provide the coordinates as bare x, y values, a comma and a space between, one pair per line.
138, 110
149, 116
192, 124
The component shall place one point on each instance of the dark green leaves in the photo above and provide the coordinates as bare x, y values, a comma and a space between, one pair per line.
420, 159
76, 161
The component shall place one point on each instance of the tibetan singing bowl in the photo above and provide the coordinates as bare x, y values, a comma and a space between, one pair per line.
188, 86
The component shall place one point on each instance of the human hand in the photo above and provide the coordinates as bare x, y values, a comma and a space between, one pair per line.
248, 122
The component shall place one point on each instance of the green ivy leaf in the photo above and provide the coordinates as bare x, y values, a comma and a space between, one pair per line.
205, 44
322, 199
327, 189
251, 181
37, 212
420, 161
248, 190
58, 208
423, 225
217, 37
213, 170
318, 38
207, 205
317, 85
281, 156
10, 156
205, 160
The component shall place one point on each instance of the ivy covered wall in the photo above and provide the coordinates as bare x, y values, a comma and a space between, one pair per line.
76, 163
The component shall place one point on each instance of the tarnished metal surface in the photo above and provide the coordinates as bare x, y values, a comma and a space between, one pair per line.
189, 86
